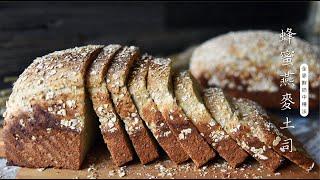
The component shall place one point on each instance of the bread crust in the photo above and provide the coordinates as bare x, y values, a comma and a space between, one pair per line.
188, 95
259, 121
116, 79
48, 108
248, 64
111, 128
150, 113
225, 114
160, 88
34, 146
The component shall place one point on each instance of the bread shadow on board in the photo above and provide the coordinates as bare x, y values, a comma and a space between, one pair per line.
99, 158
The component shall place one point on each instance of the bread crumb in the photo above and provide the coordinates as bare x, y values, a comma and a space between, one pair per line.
41, 169
122, 171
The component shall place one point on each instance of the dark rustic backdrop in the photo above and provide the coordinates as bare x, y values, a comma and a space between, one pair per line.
31, 29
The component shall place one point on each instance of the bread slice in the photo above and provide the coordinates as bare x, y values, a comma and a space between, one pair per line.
188, 94
262, 127
111, 128
225, 114
116, 80
150, 113
160, 88
49, 120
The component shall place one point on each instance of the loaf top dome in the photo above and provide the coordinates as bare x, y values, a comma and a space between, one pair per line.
254, 58
55, 82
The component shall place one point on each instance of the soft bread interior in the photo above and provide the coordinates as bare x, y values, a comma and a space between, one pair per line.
91, 128
91, 121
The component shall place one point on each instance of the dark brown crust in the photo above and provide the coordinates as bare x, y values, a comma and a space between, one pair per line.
117, 142
150, 113
144, 146
226, 147
256, 116
270, 100
274, 160
118, 146
186, 86
231, 152
143, 143
272, 135
197, 148
159, 85
37, 138
299, 157
243, 135
59, 147
169, 143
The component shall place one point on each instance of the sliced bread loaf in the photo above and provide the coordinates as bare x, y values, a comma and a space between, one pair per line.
161, 90
150, 113
226, 115
117, 75
48, 122
262, 127
111, 128
188, 94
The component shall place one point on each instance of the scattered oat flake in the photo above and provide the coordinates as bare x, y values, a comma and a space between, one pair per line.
41, 169
122, 171
277, 174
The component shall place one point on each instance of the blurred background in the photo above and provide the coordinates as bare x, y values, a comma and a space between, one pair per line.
32, 29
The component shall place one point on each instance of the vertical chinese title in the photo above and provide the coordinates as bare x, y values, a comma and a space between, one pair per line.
287, 79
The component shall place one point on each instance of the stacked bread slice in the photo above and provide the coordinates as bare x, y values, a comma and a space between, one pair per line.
161, 90
188, 95
222, 110
259, 121
116, 80
59, 100
110, 124
150, 113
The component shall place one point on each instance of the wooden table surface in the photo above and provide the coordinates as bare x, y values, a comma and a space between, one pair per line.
99, 165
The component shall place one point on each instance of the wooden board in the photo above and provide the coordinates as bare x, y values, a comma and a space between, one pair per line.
99, 165
162, 169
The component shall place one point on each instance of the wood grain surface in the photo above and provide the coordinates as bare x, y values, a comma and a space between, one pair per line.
104, 168
99, 165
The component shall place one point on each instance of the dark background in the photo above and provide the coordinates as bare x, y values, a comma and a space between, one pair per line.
32, 29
